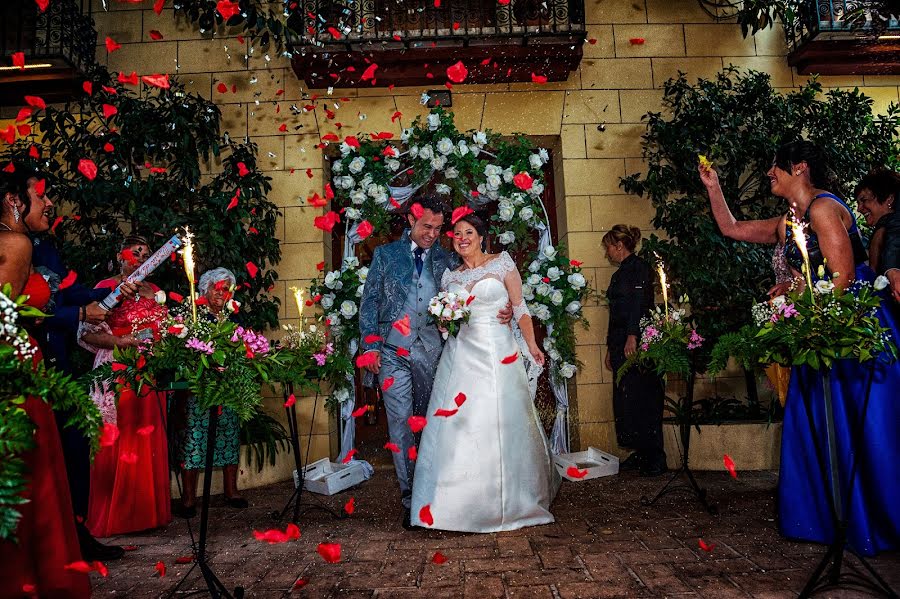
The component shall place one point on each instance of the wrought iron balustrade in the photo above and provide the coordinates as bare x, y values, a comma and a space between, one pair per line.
63, 35
405, 23
835, 20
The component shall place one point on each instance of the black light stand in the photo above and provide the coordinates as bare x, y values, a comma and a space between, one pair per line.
828, 573
684, 430
216, 588
296, 499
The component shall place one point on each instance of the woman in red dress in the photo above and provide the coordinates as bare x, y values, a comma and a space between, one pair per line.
129, 479
35, 565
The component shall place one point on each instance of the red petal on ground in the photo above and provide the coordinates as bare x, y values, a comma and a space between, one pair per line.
539, 79
330, 552
369, 73
160, 81
155, 35
184, 559
80, 566
439, 558
158, 6
458, 72
227, 8
161, 568
706, 547
36, 102
350, 506
636, 41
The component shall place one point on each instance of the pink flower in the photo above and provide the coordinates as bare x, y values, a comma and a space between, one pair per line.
320, 359
197, 345
695, 340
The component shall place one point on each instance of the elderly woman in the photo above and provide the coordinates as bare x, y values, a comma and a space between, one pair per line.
130, 478
215, 286
875, 195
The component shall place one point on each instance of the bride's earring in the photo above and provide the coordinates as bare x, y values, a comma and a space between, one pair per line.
16, 214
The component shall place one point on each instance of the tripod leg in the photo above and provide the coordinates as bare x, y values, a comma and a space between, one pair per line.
813, 581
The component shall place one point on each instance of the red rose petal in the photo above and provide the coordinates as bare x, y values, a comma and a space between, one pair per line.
416, 423
402, 352
416, 210
252, 270
129, 457
368, 339
42, 5
160, 81
227, 9
330, 552
146, 430
161, 568
402, 326
109, 432
425, 515
459, 213
87, 168
364, 229
112, 45
392, 446
706, 547
387, 384
68, 280
575, 472
460, 399
523, 181
158, 6
445, 413
539, 79
439, 558
359, 411
729, 465
636, 41
510, 358
412, 453
184, 559
349, 456
457, 73
350, 506
366, 359
291, 400
155, 35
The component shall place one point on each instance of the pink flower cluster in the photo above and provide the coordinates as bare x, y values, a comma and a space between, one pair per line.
200, 346
256, 343
321, 357
695, 340
784, 311
649, 335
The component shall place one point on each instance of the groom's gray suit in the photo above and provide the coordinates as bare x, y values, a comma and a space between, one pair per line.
394, 289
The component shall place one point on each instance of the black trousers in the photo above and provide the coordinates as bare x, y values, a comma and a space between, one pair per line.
638, 408
77, 452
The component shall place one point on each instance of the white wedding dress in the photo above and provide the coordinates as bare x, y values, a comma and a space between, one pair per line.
487, 467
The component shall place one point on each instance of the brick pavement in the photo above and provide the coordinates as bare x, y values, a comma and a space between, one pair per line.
604, 544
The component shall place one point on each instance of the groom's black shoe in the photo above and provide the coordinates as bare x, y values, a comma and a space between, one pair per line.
407, 523
632, 462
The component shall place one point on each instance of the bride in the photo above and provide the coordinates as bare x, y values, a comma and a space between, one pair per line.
486, 467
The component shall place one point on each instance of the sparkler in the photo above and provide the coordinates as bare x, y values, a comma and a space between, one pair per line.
189, 269
298, 297
660, 269
797, 229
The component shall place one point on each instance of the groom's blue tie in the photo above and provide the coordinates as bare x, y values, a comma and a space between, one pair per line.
417, 253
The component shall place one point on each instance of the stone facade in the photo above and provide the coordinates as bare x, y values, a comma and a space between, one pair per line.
616, 84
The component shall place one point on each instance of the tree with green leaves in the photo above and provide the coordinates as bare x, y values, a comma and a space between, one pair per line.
129, 156
738, 120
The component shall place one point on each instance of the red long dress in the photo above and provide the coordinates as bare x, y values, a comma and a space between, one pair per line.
130, 479
47, 542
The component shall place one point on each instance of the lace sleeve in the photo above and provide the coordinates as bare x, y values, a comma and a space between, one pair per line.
513, 282
445, 279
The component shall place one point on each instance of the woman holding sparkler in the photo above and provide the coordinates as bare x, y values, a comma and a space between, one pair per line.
821, 225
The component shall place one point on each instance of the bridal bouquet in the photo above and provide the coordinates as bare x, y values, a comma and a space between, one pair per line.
667, 339
449, 311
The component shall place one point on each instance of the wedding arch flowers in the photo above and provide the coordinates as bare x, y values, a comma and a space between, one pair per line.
338, 294
375, 175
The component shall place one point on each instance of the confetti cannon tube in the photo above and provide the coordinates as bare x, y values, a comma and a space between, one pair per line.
143, 271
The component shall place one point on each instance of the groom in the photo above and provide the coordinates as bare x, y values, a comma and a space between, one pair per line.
403, 277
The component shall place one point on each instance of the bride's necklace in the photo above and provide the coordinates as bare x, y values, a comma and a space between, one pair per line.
483, 262
5, 226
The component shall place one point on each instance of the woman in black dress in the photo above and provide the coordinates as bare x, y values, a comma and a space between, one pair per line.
638, 398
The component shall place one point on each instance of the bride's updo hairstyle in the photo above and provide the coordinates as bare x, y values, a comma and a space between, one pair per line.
629, 236
479, 225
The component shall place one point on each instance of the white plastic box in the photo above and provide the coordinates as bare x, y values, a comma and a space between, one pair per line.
327, 478
597, 463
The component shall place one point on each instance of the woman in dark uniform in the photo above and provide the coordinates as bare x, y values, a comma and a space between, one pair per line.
638, 398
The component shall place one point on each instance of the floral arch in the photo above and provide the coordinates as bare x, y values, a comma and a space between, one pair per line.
374, 180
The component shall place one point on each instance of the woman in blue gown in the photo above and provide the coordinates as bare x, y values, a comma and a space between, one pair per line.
800, 175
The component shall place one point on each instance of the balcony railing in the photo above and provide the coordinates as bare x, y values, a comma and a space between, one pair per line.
840, 37
435, 31
58, 45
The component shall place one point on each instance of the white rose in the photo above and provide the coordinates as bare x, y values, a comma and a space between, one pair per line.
414, 151
363, 274
505, 213
348, 309
441, 188
554, 354
446, 313
518, 198
778, 301
543, 289
434, 121
333, 280
160, 296
232, 305
824, 286
393, 165
493, 182
461, 148
357, 165
542, 312
573, 307
506, 238
179, 330
438, 163
404, 135
576, 280
491, 169
549, 343
526, 213
344, 182
536, 189
337, 167
334, 319
357, 196
327, 301
360, 290
445, 146
535, 162
880, 282
435, 308
345, 149
451, 173
556, 297
534, 266
549, 252
567, 370
350, 262
381, 198
426, 153
545, 156
508, 175
534, 279
341, 395
528, 292
352, 213
480, 138
553, 273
